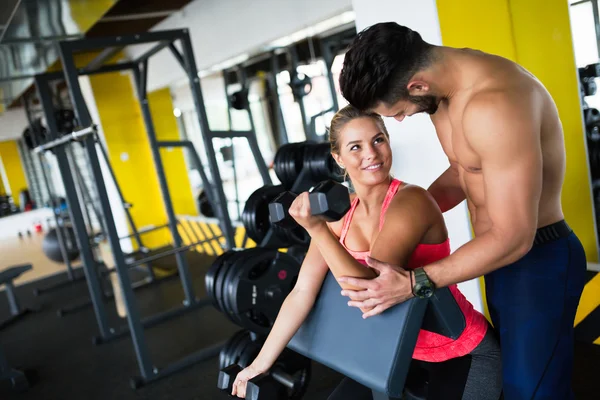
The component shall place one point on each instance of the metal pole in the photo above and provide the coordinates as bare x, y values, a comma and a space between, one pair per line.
136, 233
260, 161
182, 264
299, 99
328, 57
133, 313
81, 191
235, 180
282, 131
89, 263
53, 202
221, 204
59, 223
76, 135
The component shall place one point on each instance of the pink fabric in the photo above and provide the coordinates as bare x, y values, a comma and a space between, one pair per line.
430, 346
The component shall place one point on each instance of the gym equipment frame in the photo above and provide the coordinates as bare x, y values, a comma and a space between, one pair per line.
213, 187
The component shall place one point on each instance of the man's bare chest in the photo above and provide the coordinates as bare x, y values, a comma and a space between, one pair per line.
454, 143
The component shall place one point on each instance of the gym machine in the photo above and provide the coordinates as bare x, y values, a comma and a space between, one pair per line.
59, 243
213, 187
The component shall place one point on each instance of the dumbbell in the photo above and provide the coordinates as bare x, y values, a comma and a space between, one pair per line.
329, 200
273, 384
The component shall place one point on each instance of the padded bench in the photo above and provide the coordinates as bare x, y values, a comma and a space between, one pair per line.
17, 378
375, 352
7, 277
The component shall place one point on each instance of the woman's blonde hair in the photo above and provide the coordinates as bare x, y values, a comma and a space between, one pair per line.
345, 115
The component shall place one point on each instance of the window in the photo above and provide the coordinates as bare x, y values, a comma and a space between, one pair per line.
585, 40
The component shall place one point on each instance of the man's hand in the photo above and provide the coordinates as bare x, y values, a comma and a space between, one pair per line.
391, 287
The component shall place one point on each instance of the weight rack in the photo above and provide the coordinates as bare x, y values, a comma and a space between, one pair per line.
214, 187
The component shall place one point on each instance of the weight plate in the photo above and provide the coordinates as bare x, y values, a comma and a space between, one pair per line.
239, 348
249, 353
243, 257
212, 274
255, 216
260, 287
220, 278
226, 352
288, 163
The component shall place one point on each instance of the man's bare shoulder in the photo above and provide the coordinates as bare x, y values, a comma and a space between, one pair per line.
495, 109
496, 116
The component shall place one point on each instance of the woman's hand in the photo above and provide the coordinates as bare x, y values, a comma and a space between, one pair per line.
300, 211
241, 380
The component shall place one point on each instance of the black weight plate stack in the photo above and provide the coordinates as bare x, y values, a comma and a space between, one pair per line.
288, 163
257, 290
213, 273
255, 216
320, 163
226, 353
221, 282
296, 236
241, 349
236, 263
298, 252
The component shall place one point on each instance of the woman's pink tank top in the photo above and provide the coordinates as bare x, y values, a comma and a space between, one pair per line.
430, 346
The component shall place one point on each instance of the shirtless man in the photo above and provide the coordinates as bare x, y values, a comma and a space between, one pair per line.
500, 129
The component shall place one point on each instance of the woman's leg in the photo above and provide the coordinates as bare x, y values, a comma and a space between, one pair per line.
485, 376
476, 376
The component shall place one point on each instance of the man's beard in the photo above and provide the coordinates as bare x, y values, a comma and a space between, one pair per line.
427, 103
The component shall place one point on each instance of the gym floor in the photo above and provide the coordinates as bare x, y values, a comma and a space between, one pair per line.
59, 355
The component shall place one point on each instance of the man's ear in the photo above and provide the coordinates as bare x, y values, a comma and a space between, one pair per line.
417, 87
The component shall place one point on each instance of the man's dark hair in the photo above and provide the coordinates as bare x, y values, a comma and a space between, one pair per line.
379, 64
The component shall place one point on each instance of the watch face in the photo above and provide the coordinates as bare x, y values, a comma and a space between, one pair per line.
424, 291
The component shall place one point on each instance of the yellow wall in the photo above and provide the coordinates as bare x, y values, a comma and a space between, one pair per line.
479, 25
537, 35
544, 46
13, 168
2, 190
165, 126
86, 13
124, 131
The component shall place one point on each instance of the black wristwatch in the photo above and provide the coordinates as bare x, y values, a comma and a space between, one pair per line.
423, 287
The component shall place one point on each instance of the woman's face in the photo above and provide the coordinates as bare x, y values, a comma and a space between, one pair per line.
364, 151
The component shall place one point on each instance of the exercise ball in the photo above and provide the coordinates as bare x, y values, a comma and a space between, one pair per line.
51, 247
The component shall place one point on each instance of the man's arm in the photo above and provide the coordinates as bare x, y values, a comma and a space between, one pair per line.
446, 189
504, 131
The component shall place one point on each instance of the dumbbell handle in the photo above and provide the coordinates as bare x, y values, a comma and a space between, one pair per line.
228, 374
282, 377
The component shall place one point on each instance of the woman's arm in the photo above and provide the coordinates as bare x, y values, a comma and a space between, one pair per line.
291, 315
295, 308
